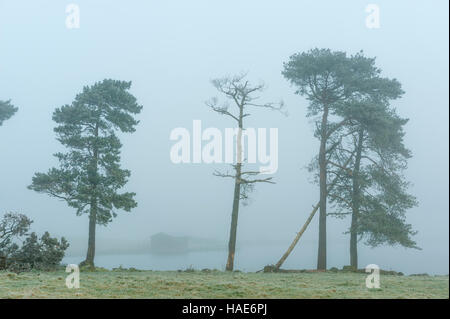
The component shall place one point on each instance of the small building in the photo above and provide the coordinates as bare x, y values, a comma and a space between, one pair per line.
162, 243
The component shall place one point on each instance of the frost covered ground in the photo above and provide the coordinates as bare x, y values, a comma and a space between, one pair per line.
217, 284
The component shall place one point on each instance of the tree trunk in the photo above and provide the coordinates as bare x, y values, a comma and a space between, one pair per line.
234, 222
236, 196
322, 252
91, 242
90, 255
354, 243
356, 203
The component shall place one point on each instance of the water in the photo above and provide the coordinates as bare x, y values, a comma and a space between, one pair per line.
248, 259
252, 258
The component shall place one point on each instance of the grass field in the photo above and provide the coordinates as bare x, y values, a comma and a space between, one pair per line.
216, 284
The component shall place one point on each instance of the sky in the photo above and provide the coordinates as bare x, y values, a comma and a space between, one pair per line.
170, 51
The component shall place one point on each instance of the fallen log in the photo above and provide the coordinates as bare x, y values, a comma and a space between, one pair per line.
308, 221
297, 238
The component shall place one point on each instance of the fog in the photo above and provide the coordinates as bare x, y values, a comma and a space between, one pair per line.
170, 51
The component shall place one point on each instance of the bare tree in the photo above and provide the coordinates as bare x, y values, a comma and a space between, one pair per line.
242, 95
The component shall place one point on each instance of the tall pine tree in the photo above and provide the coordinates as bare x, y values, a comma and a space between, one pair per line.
374, 190
89, 177
372, 187
328, 80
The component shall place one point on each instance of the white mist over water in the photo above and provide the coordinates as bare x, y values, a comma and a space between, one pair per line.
251, 258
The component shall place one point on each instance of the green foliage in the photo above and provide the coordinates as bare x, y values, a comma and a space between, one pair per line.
375, 190
368, 132
6, 110
43, 253
340, 90
319, 75
384, 203
89, 174
338, 82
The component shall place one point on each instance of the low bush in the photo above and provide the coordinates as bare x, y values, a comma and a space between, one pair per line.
44, 253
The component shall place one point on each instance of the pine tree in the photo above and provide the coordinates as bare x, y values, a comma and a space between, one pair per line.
374, 191
328, 80
371, 188
89, 176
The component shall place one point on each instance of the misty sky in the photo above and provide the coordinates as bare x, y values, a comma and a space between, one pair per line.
171, 50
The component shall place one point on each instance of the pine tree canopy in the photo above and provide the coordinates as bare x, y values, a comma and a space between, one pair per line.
364, 128
89, 173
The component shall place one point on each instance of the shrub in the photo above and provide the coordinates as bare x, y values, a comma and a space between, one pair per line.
43, 253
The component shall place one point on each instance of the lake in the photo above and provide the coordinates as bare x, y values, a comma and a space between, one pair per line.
250, 258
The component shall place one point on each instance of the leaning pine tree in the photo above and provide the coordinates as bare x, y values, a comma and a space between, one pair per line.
89, 176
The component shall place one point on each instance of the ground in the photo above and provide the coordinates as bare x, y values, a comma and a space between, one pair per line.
217, 284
